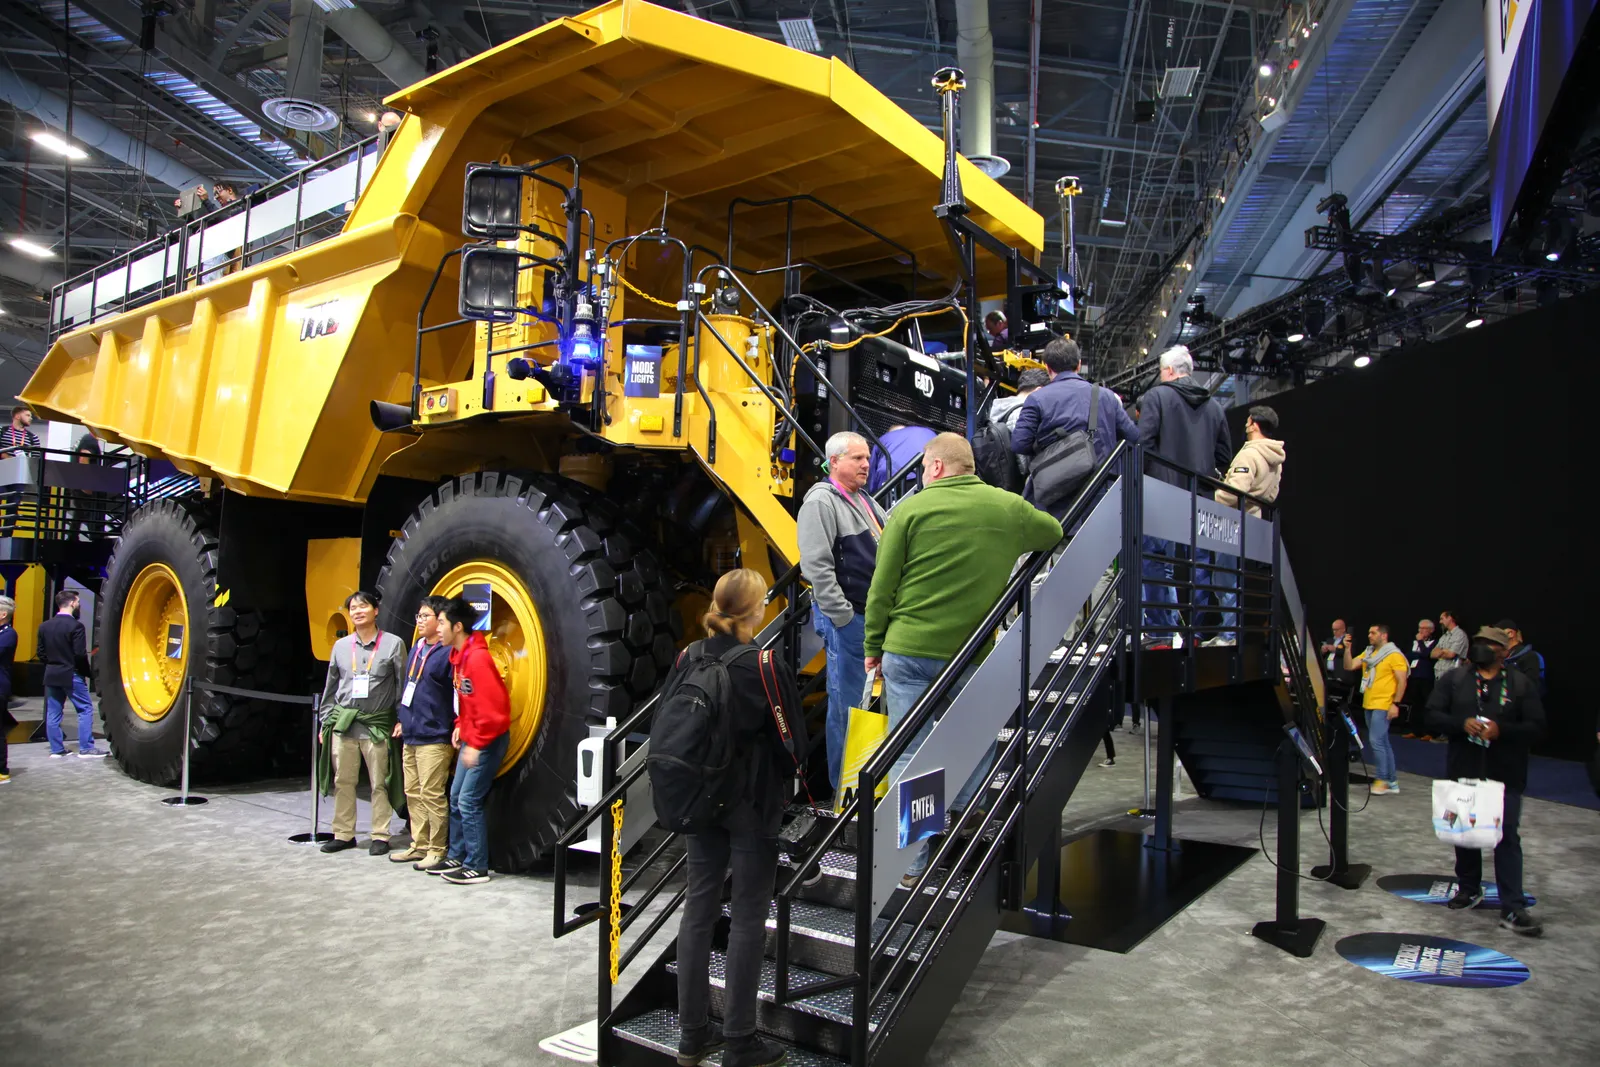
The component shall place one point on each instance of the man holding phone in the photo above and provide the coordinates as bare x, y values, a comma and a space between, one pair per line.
1383, 686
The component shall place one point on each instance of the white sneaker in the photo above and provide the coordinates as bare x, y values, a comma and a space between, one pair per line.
1219, 642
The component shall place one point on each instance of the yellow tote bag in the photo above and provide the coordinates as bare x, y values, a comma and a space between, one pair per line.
865, 733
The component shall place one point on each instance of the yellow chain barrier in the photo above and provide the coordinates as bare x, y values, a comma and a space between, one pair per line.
614, 901
636, 291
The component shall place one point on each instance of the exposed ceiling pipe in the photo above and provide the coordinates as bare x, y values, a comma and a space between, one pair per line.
376, 44
975, 56
298, 107
93, 132
30, 272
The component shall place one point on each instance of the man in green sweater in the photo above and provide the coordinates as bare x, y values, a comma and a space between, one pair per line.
946, 555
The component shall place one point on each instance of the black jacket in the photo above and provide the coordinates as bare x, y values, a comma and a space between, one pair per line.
8, 656
771, 768
63, 650
1179, 421
1520, 717
430, 718
1523, 658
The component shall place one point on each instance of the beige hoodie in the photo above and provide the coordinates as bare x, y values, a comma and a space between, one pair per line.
1256, 470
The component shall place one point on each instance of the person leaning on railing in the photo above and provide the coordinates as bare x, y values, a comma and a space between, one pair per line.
944, 560
1256, 470
365, 671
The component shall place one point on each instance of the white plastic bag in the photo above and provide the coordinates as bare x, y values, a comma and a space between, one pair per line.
1467, 812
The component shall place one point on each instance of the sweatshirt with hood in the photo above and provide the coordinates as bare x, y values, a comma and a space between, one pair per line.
1180, 422
1256, 470
839, 548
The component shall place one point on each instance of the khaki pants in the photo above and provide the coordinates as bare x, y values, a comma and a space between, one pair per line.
427, 772
349, 752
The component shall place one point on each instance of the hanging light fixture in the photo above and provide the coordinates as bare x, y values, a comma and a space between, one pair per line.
1425, 276
1474, 313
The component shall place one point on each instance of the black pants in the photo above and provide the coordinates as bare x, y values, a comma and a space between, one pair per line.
1507, 860
752, 851
1111, 746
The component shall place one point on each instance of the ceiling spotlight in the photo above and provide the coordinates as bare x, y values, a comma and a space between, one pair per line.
370, 116
1425, 278
59, 145
31, 248
1266, 70
1305, 31
1315, 316
1362, 361
1474, 314
1296, 337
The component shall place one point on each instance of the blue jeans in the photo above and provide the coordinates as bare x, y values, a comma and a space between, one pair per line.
1159, 622
1507, 860
1382, 751
55, 698
469, 831
905, 679
847, 678
1205, 574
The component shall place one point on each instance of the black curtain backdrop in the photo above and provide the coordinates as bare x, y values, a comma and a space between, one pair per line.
1451, 476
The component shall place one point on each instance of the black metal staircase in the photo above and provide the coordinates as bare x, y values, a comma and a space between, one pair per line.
861, 969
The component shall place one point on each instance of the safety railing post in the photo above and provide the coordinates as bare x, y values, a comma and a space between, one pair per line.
315, 835
184, 799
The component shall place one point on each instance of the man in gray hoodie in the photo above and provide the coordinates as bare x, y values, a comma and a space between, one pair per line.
839, 527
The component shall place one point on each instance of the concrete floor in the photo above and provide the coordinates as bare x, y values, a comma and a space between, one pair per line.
142, 934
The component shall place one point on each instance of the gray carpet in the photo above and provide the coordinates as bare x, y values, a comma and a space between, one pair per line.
142, 934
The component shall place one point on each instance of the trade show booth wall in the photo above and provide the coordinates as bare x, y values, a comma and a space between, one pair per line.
1452, 476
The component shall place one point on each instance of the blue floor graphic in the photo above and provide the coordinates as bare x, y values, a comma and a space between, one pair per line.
1432, 960
1439, 888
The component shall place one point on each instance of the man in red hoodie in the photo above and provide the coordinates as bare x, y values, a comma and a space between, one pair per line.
483, 724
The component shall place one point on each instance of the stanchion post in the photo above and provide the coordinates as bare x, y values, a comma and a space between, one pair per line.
314, 835
1289, 930
1339, 870
183, 799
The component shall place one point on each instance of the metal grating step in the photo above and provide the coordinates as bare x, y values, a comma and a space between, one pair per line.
838, 925
658, 1031
834, 1006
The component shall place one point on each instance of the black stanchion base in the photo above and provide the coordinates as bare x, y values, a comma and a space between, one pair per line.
1349, 878
189, 801
307, 838
1297, 940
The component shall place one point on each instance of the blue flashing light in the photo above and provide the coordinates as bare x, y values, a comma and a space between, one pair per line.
786, 455
583, 350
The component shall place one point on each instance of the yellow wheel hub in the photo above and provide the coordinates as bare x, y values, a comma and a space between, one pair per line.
516, 641
153, 650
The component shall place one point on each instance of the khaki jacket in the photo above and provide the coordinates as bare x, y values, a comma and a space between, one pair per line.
1255, 470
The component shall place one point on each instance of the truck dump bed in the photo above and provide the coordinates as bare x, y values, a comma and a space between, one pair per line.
262, 378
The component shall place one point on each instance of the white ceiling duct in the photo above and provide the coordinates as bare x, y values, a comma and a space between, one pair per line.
376, 44
975, 57
93, 132
298, 107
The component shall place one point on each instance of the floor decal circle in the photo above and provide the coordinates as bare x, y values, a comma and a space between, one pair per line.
1432, 960
1437, 889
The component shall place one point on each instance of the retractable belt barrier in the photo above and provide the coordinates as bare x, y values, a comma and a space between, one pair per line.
313, 835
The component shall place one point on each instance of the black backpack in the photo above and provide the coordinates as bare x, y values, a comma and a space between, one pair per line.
693, 777
995, 462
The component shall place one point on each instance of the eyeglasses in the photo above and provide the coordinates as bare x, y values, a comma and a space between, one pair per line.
426, 615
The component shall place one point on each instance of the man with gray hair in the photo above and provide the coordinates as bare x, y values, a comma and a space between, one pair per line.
839, 528
1180, 422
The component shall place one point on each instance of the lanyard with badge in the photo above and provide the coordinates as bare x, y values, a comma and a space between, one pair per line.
361, 679
415, 673
1482, 685
873, 524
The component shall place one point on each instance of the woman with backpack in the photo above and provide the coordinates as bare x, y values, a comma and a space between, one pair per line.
762, 708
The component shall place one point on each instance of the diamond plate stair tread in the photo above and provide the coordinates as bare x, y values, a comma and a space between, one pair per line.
834, 863
658, 1030
835, 1006
839, 926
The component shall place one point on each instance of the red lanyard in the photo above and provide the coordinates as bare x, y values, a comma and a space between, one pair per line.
418, 667
872, 520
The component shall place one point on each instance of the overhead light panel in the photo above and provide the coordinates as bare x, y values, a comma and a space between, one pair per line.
335, 5
31, 248
57, 144
1362, 361
800, 34
1179, 82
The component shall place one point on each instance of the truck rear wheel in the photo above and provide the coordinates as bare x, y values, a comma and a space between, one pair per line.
580, 626
159, 624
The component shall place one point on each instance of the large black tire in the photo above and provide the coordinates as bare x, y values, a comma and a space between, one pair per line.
230, 738
609, 630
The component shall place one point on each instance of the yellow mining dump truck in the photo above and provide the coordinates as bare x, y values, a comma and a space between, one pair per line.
520, 371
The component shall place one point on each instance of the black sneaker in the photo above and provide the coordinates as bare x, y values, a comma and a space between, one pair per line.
339, 844
1109, 761
1520, 922
378, 848
695, 1045
446, 864
1464, 900
466, 876
753, 1051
